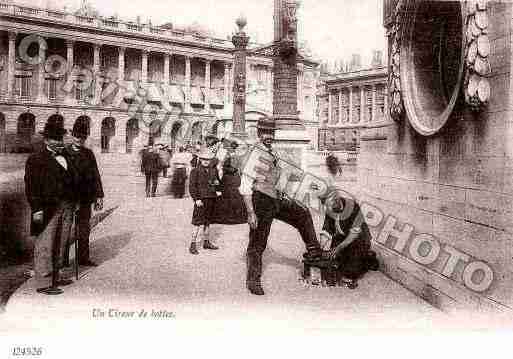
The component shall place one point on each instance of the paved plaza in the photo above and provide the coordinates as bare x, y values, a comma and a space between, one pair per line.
144, 262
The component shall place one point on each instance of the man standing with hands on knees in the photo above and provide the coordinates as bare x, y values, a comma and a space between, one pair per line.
265, 203
89, 189
50, 183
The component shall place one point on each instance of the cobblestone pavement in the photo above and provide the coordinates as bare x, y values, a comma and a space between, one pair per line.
142, 250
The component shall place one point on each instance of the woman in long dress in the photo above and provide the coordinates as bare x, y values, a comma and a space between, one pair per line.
179, 178
230, 207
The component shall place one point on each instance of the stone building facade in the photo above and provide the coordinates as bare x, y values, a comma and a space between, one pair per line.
436, 181
132, 83
348, 102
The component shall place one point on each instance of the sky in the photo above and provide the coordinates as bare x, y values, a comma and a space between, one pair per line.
333, 29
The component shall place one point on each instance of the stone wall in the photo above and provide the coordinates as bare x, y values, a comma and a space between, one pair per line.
456, 187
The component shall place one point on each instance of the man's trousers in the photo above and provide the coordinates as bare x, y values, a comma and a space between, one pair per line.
266, 209
50, 245
84, 230
152, 180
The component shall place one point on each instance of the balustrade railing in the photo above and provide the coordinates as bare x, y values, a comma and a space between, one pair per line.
56, 14
84, 19
31, 11
110, 23
134, 27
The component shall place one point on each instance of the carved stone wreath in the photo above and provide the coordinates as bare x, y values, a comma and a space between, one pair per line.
476, 84
394, 76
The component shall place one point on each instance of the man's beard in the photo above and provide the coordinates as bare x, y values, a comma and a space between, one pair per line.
268, 142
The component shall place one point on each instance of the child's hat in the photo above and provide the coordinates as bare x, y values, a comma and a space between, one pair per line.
206, 155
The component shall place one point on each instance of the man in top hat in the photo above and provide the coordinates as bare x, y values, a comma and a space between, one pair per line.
265, 203
50, 184
89, 188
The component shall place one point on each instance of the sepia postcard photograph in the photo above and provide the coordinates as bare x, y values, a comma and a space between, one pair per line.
240, 178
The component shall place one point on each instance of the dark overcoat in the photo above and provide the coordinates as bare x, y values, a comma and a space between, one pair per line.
89, 186
47, 184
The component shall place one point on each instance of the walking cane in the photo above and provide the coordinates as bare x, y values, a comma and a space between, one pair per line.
75, 219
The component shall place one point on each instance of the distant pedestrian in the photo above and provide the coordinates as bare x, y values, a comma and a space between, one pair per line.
204, 188
150, 166
164, 158
179, 176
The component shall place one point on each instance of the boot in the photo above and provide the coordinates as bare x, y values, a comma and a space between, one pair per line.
208, 245
255, 287
193, 249
254, 263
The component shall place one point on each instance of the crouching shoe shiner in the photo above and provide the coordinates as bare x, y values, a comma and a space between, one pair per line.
349, 240
265, 203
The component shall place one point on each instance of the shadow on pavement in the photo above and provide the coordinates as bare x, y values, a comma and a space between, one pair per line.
106, 248
11, 278
273, 257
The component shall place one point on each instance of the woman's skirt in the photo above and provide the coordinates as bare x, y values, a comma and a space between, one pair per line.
178, 182
230, 209
204, 215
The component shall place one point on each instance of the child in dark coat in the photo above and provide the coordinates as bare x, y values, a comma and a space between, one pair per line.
204, 188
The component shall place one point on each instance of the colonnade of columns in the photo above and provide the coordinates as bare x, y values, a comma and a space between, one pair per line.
97, 48
346, 109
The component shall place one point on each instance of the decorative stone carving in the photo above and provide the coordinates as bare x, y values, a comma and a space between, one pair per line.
240, 88
476, 84
394, 76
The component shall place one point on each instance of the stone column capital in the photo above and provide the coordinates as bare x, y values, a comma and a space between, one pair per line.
97, 46
13, 35
121, 49
70, 43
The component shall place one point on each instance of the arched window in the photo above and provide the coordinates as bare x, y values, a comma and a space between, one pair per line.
25, 130
176, 135
86, 121
132, 131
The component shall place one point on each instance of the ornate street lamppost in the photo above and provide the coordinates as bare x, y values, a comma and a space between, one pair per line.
240, 41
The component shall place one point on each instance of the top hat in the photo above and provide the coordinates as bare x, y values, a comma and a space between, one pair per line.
265, 123
80, 130
54, 130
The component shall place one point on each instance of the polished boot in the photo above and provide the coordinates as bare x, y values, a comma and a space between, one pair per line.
208, 245
253, 283
255, 287
193, 248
